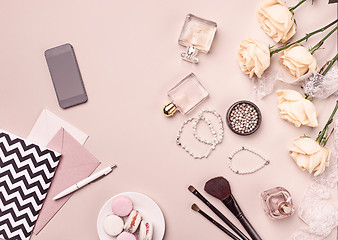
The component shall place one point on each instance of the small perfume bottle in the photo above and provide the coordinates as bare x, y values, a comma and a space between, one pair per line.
186, 95
197, 35
277, 203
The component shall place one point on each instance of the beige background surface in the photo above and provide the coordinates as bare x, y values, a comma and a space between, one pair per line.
129, 57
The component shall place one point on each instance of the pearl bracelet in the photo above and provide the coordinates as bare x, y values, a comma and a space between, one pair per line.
216, 139
230, 158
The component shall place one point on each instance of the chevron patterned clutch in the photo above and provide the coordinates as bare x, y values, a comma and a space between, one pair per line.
26, 172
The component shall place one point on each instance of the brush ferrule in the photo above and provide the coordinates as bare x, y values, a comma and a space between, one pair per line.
233, 206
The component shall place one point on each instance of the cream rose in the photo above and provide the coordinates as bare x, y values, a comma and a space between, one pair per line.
310, 156
276, 20
253, 57
296, 109
298, 61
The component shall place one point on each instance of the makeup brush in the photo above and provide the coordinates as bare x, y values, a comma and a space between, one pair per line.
197, 209
219, 188
218, 213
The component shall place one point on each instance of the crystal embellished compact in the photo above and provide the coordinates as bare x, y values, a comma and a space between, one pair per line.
244, 118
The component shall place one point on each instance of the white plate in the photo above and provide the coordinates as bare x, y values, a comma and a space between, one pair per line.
146, 206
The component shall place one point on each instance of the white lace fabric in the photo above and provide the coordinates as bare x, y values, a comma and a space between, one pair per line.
314, 84
315, 209
320, 86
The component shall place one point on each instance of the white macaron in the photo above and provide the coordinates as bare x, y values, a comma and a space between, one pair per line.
113, 225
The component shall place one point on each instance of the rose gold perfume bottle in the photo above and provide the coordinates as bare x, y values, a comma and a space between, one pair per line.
277, 203
197, 35
186, 95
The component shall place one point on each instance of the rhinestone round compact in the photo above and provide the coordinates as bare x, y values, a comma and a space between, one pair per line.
244, 117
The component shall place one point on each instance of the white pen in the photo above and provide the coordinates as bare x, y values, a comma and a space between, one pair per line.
85, 181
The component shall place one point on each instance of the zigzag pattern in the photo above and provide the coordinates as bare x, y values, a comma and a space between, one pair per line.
21, 201
26, 172
30, 154
11, 205
6, 226
55, 156
40, 176
21, 181
22, 220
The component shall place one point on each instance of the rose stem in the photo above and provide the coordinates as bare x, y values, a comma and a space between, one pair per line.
307, 36
326, 138
298, 4
331, 62
320, 43
322, 133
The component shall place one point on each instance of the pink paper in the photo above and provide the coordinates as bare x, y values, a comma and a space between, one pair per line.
76, 164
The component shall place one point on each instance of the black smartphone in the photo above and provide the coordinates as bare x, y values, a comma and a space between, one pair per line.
66, 76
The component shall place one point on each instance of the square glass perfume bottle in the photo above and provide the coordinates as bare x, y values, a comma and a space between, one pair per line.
186, 95
277, 203
197, 35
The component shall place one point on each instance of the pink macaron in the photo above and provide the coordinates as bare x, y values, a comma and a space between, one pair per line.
122, 206
126, 236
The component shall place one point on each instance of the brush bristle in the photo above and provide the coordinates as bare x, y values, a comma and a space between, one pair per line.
218, 187
191, 188
195, 207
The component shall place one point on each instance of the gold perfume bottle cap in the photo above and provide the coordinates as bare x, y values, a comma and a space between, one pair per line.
285, 208
169, 109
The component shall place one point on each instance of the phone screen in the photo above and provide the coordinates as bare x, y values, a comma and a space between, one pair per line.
66, 76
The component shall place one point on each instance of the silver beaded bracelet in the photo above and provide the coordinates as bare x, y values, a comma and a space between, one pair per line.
266, 161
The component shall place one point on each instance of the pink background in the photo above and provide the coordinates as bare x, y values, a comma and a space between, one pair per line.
129, 57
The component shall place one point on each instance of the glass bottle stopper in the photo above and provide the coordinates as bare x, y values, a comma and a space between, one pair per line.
190, 55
